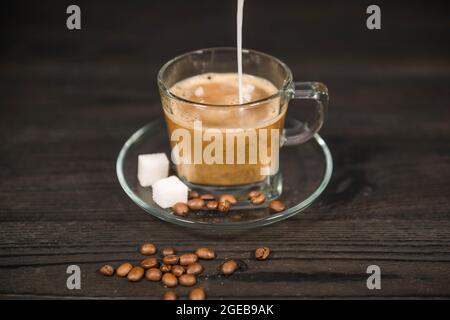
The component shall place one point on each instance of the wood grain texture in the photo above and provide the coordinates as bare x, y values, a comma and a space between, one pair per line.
70, 99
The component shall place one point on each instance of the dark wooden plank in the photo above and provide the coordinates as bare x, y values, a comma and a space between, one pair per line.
70, 99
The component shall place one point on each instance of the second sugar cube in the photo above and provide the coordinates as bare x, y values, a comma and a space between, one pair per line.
167, 192
152, 167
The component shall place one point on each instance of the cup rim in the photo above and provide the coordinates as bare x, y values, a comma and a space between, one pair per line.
251, 104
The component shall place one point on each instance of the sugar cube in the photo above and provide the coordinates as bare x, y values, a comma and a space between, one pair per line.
167, 192
152, 167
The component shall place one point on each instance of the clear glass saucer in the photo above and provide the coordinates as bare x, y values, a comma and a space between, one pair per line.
305, 170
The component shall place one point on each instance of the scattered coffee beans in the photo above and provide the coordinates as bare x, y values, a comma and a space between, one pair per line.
196, 203
177, 270
229, 197
165, 268
153, 274
277, 206
262, 253
170, 295
170, 259
224, 206
168, 251
229, 267
148, 249
195, 268
254, 194
149, 263
107, 270
207, 197
197, 294
169, 280
180, 209
187, 280
184, 269
258, 199
205, 253
124, 269
193, 194
188, 258
135, 274
212, 205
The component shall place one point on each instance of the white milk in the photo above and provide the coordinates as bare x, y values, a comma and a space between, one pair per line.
240, 10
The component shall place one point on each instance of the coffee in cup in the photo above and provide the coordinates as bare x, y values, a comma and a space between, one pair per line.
238, 133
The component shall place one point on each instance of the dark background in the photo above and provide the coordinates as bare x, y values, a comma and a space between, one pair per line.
69, 100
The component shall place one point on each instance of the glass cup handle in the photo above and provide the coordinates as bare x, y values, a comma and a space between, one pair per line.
300, 132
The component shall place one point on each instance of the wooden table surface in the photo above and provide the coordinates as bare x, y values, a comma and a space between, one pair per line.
69, 100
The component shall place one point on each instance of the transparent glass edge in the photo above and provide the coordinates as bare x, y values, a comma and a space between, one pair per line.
166, 91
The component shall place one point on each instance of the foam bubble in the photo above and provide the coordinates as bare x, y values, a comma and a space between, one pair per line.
199, 92
248, 88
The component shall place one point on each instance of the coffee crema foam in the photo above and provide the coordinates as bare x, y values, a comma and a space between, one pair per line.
222, 88
221, 91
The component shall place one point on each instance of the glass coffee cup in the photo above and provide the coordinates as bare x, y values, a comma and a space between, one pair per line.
233, 147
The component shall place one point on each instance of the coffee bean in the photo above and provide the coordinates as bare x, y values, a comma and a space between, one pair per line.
177, 270
170, 259
165, 268
195, 268
224, 206
262, 253
236, 217
193, 194
277, 206
207, 197
196, 203
107, 270
169, 280
254, 194
212, 205
197, 294
205, 253
187, 280
170, 295
229, 267
258, 200
135, 274
149, 263
188, 258
168, 251
180, 209
153, 274
124, 269
229, 197
148, 249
